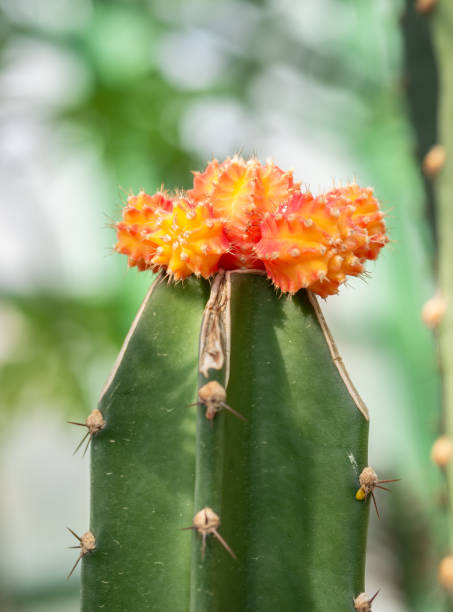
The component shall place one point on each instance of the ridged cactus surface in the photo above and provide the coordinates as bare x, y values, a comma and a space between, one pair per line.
442, 27
443, 35
282, 483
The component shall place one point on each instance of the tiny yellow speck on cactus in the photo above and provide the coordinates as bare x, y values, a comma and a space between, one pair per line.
241, 214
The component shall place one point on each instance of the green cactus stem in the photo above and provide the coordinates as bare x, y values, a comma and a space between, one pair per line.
421, 83
282, 483
442, 25
420, 534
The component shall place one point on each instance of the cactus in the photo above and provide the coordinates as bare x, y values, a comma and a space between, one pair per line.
442, 30
421, 532
248, 501
438, 313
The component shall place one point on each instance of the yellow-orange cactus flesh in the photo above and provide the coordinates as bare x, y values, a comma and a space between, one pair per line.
293, 252
325, 288
365, 215
189, 240
309, 243
143, 210
140, 216
332, 220
236, 186
242, 192
352, 265
144, 201
134, 245
232, 195
204, 182
273, 187
308, 218
241, 214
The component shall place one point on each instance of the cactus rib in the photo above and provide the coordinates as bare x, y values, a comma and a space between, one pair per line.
282, 484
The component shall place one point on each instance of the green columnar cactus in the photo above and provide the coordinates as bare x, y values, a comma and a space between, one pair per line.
442, 175
282, 483
420, 534
421, 85
265, 470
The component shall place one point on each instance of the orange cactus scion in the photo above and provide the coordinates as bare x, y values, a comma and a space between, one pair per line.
273, 187
316, 243
189, 240
204, 182
365, 216
140, 215
241, 192
242, 214
294, 247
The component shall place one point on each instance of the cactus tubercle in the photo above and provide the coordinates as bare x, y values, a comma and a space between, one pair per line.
424, 7
206, 522
94, 423
362, 603
433, 311
87, 544
442, 451
369, 481
434, 161
445, 572
213, 396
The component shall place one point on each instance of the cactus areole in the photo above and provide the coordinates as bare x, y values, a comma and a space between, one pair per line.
192, 508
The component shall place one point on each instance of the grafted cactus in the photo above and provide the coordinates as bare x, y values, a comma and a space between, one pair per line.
247, 501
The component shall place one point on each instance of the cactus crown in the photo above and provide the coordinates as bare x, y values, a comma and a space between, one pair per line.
241, 214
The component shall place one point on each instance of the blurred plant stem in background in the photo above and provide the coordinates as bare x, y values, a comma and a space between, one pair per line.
100, 99
438, 167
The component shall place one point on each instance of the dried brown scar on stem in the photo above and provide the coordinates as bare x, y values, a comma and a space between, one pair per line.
94, 423
215, 329
206, 522
213, 396
87, 545
362, 603
369, 481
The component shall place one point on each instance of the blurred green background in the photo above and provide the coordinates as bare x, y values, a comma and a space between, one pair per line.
101, 98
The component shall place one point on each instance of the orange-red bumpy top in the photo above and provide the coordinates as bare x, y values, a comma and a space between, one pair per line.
242, 214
